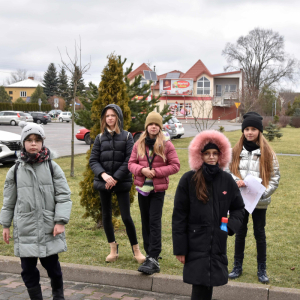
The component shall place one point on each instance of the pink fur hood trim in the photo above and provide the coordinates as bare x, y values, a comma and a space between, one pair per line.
203, 138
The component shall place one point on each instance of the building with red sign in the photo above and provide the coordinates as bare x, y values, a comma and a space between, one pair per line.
196, 93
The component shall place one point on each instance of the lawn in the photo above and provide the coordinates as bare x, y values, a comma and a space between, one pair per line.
86, 245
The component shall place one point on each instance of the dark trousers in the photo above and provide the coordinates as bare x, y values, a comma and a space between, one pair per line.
151, 212
201, 292
259, 223
124, 205
31, 274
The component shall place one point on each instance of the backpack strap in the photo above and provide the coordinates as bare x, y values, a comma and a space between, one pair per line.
15, 171
51, 168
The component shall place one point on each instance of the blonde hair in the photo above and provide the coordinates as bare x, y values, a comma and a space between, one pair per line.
266, 159
159, 146
104, 125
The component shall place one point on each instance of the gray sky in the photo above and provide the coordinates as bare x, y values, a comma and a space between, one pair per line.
168, 34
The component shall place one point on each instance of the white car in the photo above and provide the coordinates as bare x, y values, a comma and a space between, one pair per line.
10, 146
178, 127
65, 116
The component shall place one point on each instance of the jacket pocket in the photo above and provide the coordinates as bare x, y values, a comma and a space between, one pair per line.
220, 241
198, 237
48, 221
26, 223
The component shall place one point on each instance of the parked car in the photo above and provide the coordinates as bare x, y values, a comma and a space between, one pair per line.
65, 116
170, 128
40, 117
49, 118
178, 127
11, 117
29, 117
54, 113
10, 146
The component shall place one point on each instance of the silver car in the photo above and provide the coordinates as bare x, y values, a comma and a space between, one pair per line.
11, 117
10, 146
65, 116
29, 117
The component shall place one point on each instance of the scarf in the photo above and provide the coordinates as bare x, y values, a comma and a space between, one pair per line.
250, 146
150, 142
210, 171
33, 158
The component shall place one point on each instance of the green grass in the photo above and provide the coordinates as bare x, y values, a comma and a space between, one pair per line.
89, 246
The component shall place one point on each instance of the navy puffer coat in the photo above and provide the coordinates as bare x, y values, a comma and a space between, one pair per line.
110, 154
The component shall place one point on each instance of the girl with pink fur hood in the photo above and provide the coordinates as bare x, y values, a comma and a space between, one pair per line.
204, 195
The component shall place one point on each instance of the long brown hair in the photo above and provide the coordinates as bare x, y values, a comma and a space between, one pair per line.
159, 146
266, 159
201, 189
104, 125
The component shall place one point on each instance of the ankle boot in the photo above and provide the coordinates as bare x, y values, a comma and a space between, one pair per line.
137, 254
262, 273
150, 266
57, 288
237, 270
35, 293
114, 252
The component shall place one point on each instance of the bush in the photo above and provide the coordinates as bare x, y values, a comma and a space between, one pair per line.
266, 120
276, 119
221, 129
272, 132
295, 122
284, 120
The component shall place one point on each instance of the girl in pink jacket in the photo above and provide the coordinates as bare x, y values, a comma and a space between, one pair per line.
152, 160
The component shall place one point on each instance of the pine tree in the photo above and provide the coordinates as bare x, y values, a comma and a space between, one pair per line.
62, 84
50, 81
112, 89
20, 100
272, 132
38, 94
4, 97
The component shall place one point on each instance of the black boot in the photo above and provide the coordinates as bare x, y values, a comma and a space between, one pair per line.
57, 288
237, 270
35, 293
150, 266
262, 273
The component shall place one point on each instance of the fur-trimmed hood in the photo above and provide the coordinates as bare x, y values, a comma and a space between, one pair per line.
203, 138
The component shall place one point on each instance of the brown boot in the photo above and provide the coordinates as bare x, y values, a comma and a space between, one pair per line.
137, 254
114, 253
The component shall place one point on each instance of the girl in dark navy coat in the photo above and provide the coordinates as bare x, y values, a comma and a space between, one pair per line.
204, 195
109, 162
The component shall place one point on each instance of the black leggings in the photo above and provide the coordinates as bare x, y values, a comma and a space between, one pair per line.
202, 292
31, 274
124, 205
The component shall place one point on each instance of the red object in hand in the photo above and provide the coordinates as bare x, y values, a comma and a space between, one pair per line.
224, 220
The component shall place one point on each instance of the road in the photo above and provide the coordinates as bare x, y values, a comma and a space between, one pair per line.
58, 135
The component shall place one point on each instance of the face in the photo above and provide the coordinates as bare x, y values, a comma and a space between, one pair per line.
211, 156
251, 134
153, 129
111, 118
33, 143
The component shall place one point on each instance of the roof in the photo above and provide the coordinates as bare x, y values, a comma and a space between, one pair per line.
227, 73
196, 70
27, 83
138, 71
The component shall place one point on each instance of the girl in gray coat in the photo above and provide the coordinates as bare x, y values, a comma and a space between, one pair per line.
253, 155
37, 199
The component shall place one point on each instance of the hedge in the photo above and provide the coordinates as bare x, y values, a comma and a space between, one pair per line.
25, 106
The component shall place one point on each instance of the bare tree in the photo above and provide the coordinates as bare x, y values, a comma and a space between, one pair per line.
262, 57
21, 74
76, 69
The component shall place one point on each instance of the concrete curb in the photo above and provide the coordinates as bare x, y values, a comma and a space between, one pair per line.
159, 283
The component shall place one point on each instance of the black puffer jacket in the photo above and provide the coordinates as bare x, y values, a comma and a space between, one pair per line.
110, 154
196, 228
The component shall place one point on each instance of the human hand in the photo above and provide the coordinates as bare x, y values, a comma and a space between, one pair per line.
147, 172
153, 172
181, 258
58, 229
6, 235
240, 183
108, 179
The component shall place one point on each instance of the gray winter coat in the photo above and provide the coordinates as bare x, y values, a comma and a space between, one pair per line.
36, 205
249, 164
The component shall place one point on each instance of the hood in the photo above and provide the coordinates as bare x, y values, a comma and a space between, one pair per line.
118, 111
203, 138
6, 136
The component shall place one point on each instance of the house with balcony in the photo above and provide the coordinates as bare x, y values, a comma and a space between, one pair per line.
196, 92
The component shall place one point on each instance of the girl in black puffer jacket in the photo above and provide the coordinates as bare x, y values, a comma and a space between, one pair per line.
109, 162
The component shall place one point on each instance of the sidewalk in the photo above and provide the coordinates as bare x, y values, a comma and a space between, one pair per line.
90, 282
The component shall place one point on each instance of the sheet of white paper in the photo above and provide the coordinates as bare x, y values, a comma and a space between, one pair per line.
252, 192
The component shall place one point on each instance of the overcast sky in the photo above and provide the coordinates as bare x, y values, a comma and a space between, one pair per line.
168, 34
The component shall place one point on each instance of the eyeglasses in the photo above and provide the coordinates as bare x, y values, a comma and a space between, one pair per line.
214, 154
35, 141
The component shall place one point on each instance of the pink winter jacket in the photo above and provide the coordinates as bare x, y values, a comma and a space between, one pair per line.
163, 169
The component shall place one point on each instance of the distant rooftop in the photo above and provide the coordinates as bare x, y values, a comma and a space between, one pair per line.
27, 83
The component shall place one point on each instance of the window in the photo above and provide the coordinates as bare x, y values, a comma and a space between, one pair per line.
218, 90
143, 82
181, 110
10, 92
203, 86
230, 88
23, 94
1, 113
